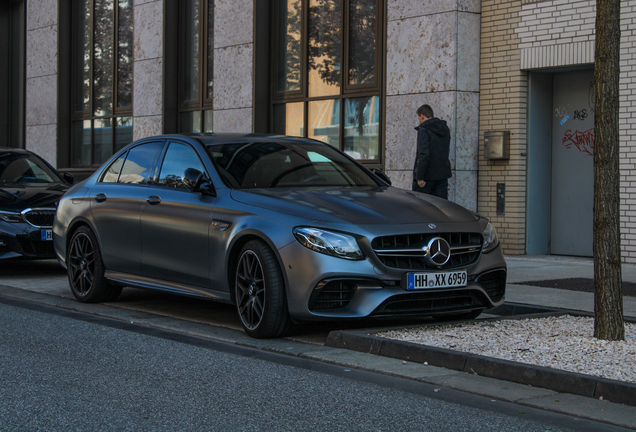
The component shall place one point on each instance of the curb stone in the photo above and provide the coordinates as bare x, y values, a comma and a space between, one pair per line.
536, 376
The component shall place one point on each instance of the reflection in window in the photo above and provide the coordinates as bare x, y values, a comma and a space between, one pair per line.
102, 79
196, 70
362, 41
325, 40
334, 95
139, 162
113, 171
179, 157
289, 119
324, 121
362, 121
289, 45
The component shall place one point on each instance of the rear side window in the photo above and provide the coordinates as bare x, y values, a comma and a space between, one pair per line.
113, 171
179, 157
136, 166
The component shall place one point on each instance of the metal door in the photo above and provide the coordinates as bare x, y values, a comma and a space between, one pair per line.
572, 163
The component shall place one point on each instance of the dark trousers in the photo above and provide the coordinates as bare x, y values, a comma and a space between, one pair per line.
433, 187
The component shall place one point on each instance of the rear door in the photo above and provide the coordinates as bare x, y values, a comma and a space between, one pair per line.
116, 205
175, 223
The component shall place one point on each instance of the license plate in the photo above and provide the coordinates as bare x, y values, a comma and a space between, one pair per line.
436, 280
46, 235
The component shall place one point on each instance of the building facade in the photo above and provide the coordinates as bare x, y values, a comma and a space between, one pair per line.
89, 76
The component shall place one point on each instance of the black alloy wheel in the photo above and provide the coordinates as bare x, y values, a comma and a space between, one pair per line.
260, 292
86, 269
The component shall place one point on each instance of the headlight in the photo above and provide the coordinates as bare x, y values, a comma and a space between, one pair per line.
490, 238
329, 243
11, 217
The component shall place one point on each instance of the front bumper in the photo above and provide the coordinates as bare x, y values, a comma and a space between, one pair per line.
24, 240
322, 287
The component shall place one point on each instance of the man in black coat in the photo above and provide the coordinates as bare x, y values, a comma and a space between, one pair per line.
432, 167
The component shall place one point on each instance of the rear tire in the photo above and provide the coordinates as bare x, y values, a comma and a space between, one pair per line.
85, 269
260, 296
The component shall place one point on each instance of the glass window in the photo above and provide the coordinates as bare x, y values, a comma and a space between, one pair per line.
289, 119
139, 163
179, 157
113, 171
361, 128
102, 81
289, 45
286, 164
327, 60
196, 65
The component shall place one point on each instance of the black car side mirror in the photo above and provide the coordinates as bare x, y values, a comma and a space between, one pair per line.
194, 181
382, 175
68, 178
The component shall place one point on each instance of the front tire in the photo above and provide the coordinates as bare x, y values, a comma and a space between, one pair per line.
260, 292
85, 269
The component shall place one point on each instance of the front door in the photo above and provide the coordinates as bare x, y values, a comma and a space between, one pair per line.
175, 224
572, 163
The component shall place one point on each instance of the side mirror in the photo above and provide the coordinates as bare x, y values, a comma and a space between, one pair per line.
192, 178
68, 178
195, 181
382, 175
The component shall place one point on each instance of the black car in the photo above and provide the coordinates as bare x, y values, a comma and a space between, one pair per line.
30, 190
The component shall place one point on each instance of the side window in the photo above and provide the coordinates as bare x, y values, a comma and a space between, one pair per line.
178, 158
140, 162
113, 171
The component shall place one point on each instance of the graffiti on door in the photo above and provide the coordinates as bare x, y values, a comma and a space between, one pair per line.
584, 141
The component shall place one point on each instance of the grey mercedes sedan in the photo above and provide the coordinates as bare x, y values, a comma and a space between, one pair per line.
287, 229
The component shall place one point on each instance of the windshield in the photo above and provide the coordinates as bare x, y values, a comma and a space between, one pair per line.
286, 164
23, 168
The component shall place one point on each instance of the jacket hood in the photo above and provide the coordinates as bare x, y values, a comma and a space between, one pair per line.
360, 206
20, 198
436, 126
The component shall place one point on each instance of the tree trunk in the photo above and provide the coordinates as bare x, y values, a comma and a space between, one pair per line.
608, 295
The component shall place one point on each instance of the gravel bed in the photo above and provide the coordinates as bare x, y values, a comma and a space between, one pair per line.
564, 342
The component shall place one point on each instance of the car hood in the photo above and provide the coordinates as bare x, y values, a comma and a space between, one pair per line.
360, 206
19, 198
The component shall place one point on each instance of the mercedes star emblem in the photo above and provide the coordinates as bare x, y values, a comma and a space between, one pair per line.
437, 252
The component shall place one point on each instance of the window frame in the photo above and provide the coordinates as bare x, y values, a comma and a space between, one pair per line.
88, 113
202, 103
347, 91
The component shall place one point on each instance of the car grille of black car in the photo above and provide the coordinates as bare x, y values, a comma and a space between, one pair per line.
36, 248
407, 251
335, 294
40, 218
494, 283
431, 302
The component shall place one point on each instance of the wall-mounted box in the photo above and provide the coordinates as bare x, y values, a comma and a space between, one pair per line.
497, 145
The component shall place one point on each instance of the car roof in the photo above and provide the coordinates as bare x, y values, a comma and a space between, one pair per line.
209, 139
15, 150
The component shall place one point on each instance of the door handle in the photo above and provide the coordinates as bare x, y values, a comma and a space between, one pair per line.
153, 200
100, 197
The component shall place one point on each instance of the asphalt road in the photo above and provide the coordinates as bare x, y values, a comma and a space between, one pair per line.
65, 371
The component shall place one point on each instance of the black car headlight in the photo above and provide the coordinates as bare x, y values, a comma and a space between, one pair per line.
11, 217
329, 242
490, 238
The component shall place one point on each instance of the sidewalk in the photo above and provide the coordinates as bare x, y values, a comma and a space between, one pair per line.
548, 267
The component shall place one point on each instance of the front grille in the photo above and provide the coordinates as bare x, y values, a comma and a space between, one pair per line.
40, 218
36, 248
431, 302
494, 283
407, 251
335, 294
